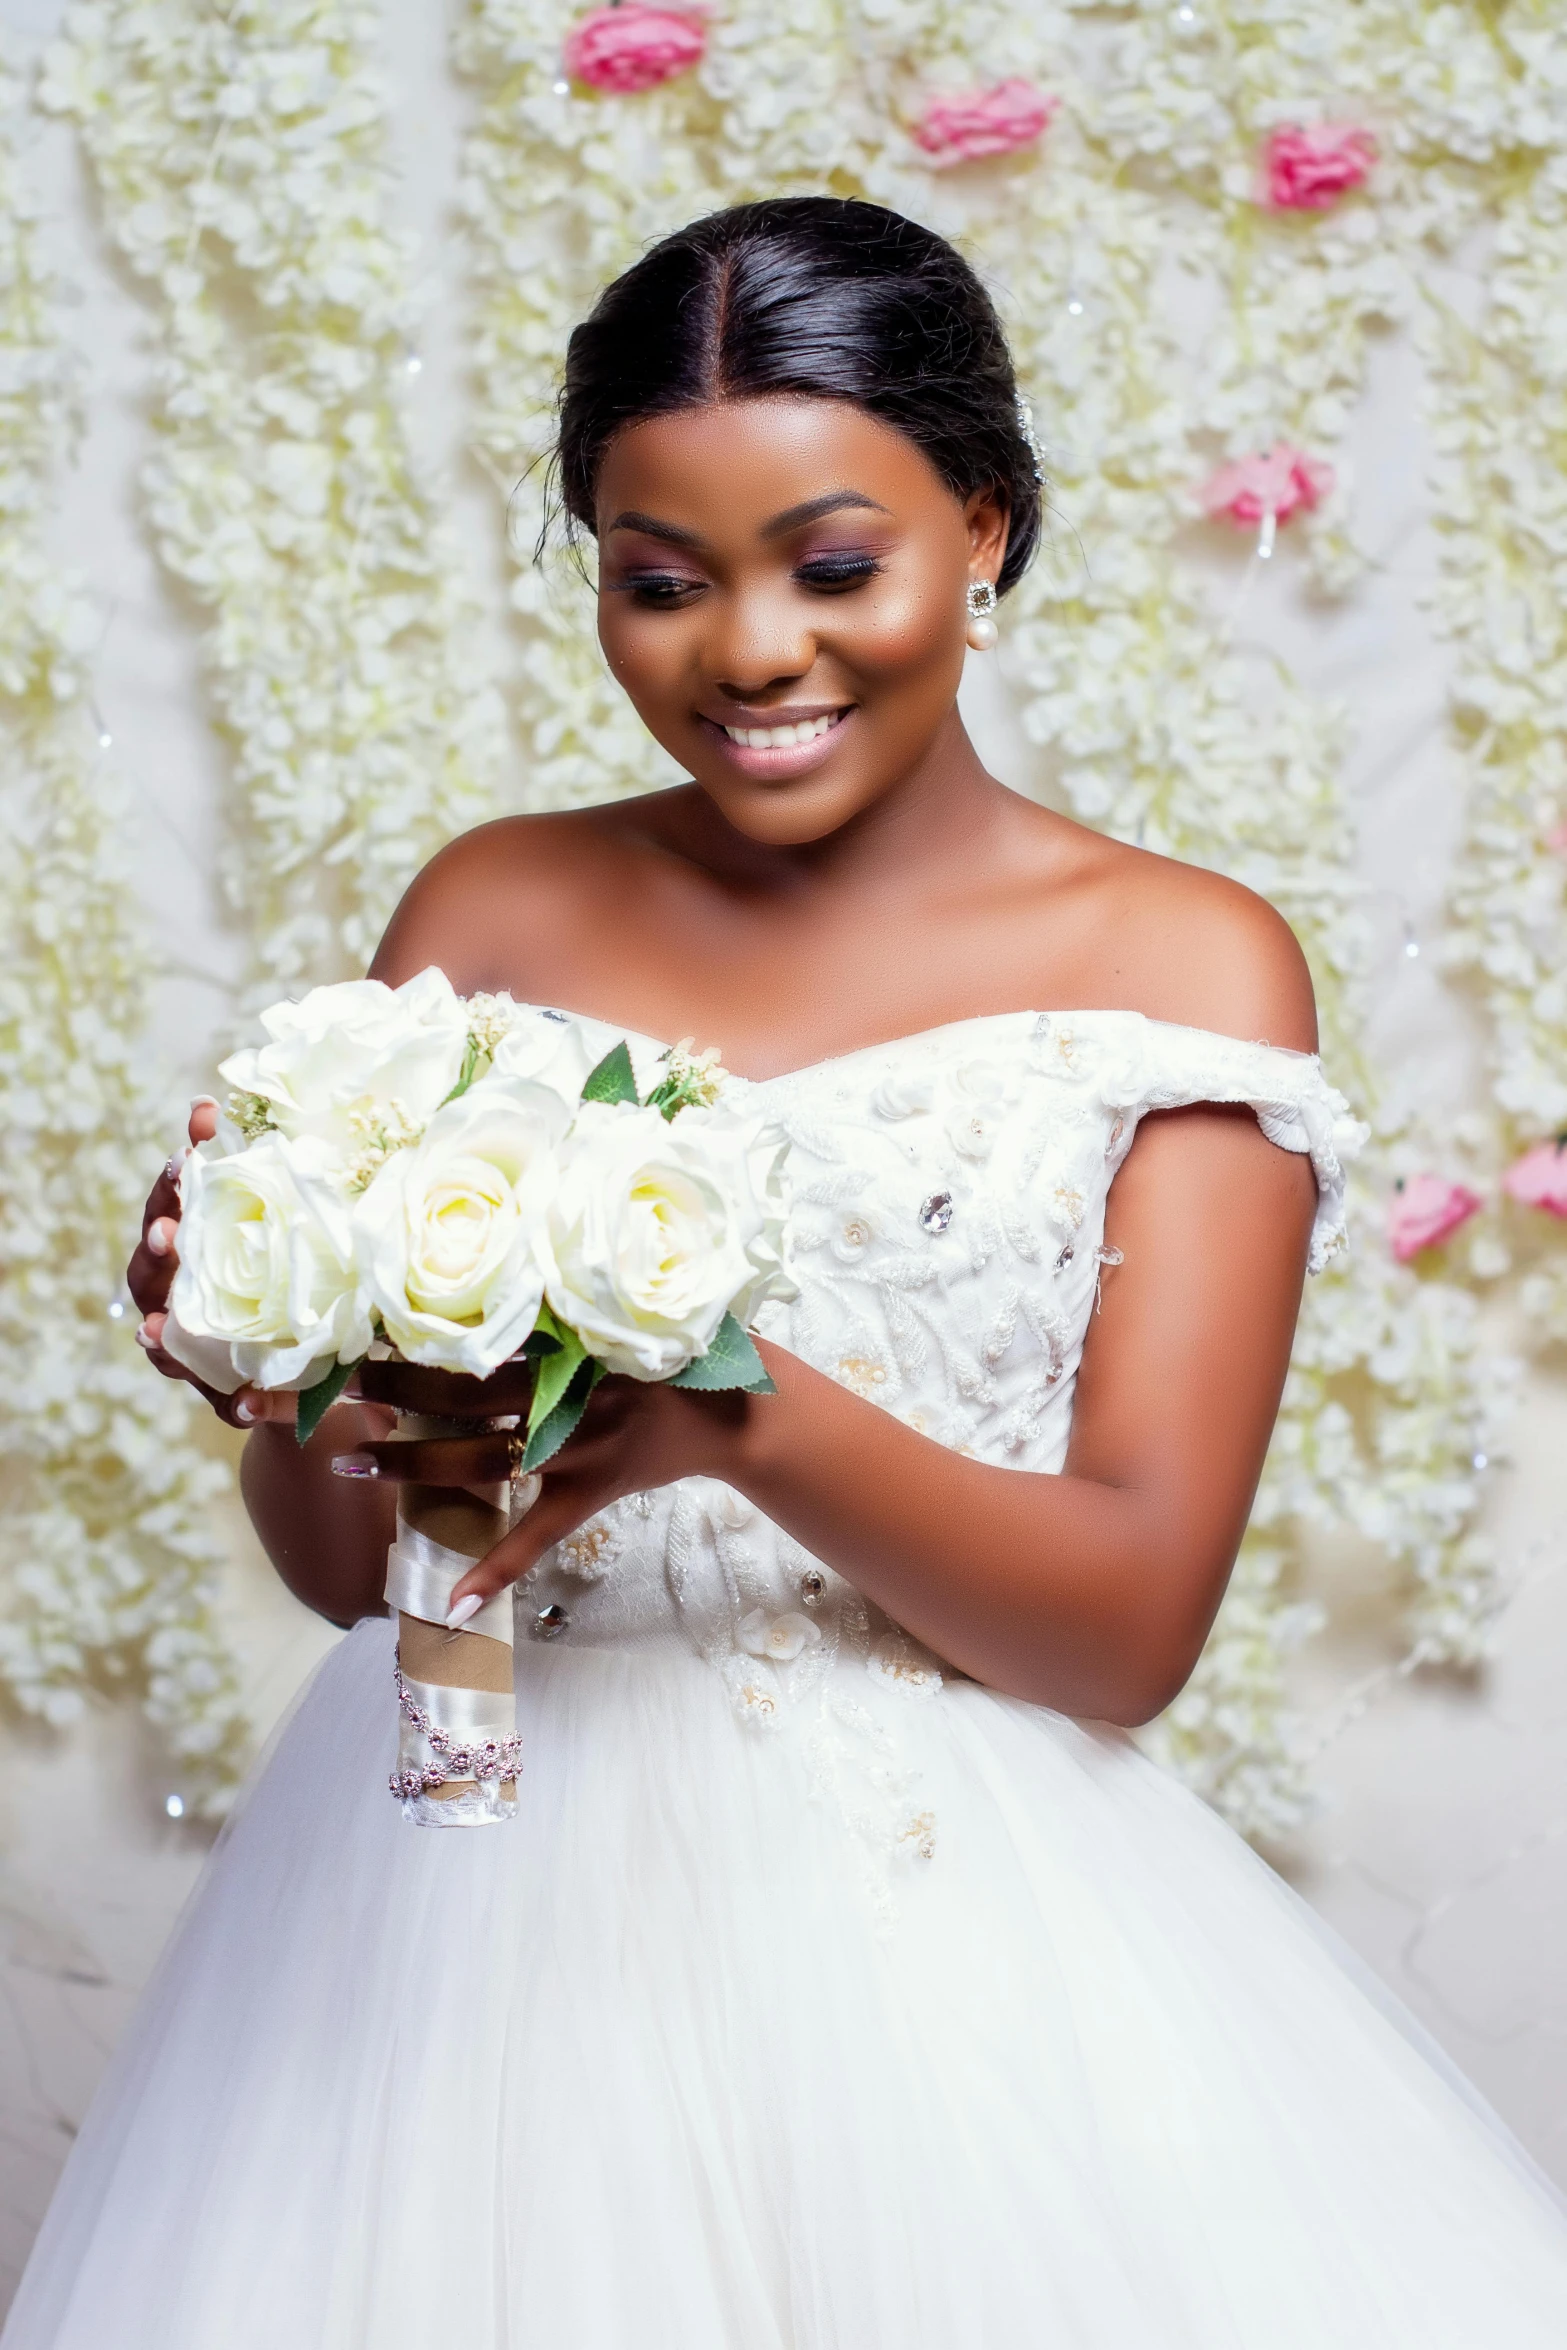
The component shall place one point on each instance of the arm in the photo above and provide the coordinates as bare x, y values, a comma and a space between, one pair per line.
1091, 1591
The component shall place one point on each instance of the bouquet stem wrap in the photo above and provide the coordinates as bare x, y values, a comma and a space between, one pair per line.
458, 1753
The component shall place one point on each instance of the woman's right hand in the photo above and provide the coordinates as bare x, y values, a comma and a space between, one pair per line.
150, 1276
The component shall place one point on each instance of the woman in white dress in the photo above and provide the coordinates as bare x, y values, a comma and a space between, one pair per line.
847, 1980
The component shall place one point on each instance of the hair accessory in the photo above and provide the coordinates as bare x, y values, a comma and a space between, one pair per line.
1025, 425
982, 631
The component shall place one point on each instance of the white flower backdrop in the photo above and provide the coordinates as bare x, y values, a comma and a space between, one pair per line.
1252, 253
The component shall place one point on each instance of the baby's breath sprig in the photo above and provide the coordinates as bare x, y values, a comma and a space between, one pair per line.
692, 1080
252, 1114
384, 1131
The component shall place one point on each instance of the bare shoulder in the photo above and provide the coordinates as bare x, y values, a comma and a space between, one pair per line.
496, 907
1196, 948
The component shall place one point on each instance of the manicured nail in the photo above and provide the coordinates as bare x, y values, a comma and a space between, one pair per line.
245, 1412
145, 1338
203, 1101
463, 1610
354, 1464
160, 1236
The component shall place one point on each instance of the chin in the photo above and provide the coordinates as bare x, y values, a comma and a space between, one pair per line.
791, 815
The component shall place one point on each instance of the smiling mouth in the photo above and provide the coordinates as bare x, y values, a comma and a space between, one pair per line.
778, 738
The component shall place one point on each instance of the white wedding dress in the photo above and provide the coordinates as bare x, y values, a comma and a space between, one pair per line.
816, 1999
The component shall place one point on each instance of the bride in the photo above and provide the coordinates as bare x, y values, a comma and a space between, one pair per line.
848, 1980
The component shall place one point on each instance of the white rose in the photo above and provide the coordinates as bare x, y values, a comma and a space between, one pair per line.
356, 1046
657, 1229
266, 1290
551, 1047
446, 1232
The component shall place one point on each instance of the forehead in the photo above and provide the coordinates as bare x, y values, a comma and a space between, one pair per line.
727, 469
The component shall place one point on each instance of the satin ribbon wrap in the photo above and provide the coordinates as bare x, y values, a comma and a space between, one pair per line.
458, 1753
421, 1576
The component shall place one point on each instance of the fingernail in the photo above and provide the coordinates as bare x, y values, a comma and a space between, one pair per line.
145, 1338
463, 1610
158, 1237
354, 1464
203, 1101
245, 1412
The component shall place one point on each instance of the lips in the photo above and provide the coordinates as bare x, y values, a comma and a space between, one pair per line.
786, 746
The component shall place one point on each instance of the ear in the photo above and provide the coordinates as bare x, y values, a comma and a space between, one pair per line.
989, 524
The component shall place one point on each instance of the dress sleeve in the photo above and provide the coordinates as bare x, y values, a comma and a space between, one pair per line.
1170, 1068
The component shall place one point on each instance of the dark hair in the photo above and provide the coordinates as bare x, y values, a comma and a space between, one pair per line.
820, 295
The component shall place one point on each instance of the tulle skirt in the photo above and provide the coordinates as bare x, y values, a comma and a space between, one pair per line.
674, 2062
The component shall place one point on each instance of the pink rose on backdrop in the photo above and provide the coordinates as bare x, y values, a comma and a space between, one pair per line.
968, 125
623, 50
1304, 170
1539, 1178
1556, 839
1424, 1211
1276, 481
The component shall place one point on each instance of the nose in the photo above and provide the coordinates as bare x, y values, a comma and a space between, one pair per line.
761, 643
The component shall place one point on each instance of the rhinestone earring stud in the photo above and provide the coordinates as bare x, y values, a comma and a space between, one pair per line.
982, 630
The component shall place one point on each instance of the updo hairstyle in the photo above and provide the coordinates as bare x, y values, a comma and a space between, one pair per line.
818, 295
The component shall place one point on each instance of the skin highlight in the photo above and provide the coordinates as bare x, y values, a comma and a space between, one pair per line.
768, 563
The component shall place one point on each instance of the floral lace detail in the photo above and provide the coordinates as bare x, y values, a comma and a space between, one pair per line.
948, 1224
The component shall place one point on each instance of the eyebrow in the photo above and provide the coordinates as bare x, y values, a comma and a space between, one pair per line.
792, 518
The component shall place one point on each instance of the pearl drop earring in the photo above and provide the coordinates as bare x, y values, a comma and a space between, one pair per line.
982, 631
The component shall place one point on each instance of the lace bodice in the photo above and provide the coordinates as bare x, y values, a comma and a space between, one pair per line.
948, 1219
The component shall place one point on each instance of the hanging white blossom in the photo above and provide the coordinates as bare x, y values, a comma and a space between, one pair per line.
108, 1557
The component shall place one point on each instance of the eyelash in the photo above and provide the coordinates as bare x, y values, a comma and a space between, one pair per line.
664, 591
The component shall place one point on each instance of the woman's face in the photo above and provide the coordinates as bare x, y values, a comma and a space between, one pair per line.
787, 564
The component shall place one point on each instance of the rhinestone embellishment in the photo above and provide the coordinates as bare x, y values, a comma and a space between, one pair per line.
811, 1588
1065, 1258
936, 1212
551, 1014
550, 1622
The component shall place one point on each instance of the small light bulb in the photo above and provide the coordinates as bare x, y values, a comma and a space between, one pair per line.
1074, 308
105, 739
1482, 1460
116, 1310
561, 89
1412, 948
174, 1805
1186, 16
414, 366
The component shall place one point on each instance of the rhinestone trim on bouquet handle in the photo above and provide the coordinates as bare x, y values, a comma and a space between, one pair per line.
458, 1753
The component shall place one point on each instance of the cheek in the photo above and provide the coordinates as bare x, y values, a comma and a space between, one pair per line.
906, 631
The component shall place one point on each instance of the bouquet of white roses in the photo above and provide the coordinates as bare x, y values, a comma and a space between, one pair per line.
456, 1184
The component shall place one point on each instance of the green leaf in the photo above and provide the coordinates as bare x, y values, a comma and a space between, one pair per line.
472, 1055
551, 1432
731, 1361
613, 1080
315, 1402
552, 1378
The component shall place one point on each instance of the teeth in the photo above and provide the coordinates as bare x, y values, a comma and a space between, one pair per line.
778, 738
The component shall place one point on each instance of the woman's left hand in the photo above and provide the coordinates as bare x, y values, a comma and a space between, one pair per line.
633, 1437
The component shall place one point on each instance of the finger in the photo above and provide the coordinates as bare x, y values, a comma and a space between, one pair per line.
447, 1395
431, 1460
560, 1509
227, 1407
149, 1277
203, 1124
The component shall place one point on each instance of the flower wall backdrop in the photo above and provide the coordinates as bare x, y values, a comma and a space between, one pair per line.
107, 1560
1296, 177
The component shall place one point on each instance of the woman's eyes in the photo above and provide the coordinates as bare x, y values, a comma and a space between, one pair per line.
668, 591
